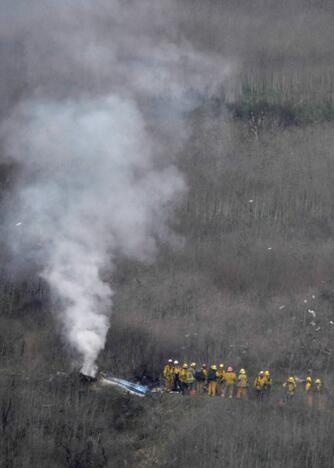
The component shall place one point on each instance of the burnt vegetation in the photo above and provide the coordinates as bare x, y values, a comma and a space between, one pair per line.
256, 253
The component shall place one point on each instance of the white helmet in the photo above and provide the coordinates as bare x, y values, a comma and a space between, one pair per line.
176, 362
170, 361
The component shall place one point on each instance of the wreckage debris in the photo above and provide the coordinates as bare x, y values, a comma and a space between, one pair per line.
87, 378
130, 387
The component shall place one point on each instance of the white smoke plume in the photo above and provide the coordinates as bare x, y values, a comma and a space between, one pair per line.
93, 134
90, 191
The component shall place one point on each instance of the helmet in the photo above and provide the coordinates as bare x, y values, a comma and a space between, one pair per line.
203, 365
193, 364
176, 363
185, 366
214, 367
242, 371
221, 366
309, 379
318, 381
291, 379
170, 361
267, 373
230, 369
261, 373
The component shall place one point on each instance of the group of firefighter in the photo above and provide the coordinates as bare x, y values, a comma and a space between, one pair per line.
215, 380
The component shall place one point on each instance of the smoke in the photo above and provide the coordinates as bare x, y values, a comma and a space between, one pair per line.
94, 133
89, 192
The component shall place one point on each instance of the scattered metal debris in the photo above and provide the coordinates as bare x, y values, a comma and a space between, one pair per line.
125, 385
87, 378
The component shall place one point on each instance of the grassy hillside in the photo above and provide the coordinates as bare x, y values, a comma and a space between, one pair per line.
253, 253
255, 233
62, 423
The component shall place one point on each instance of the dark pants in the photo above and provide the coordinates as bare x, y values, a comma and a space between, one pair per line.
267, 390
177, 383
289, 396
184, 388
259, 394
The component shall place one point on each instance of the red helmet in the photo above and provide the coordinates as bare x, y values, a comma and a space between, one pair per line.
230, 369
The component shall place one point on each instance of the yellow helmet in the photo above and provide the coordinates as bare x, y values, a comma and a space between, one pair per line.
193, 364
242, 371
291, 379
318, 381
267, 373
185, 366
214, 367
221, 365
309, 379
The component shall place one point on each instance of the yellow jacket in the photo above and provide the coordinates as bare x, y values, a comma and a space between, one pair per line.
318, 387
230, 378
186, 376
242, 381
190, 376
268, 380
168, 371
176, 370
290, 386
183, 375
308, 387
260, 382
220, 375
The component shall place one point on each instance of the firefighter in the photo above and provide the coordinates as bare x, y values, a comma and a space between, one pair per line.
212, 380
168, 373
242, 384
229, 382
176, 377
268, 383
191, 379
259, 385
318, 397
184, 379
318, 385
200, 376
290, 386
220, 379
308, 390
